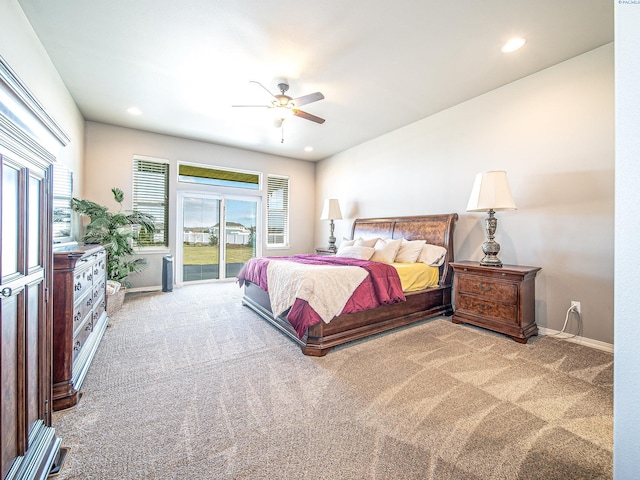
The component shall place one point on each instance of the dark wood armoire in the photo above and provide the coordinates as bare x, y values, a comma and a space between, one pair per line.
29, 141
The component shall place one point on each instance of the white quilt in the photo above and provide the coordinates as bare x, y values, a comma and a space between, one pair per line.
325, 288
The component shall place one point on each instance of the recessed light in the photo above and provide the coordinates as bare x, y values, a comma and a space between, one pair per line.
513, 44
308, 149
134, 111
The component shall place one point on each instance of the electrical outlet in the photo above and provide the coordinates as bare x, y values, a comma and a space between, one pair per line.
576, 306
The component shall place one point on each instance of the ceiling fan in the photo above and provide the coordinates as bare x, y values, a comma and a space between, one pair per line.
284, 106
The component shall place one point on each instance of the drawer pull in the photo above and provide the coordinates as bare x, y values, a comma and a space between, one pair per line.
486, 288
89, 302
89, 327
77, 317
6, 292
90, 277
77, 286
77, 346
485, 307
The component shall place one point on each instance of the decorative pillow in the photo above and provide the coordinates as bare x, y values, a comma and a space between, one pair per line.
351, 251
386, 250
370, 242
346, 242
432, 255
409, 251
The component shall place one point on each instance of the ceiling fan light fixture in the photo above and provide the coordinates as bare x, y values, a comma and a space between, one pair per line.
282, 112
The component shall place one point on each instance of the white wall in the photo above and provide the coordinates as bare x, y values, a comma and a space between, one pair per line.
626, 441
109, 163
22, 50
553, 132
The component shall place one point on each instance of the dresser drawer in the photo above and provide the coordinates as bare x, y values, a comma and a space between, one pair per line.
488, 288
98, 309
81, 309
99, 267
82, 282
80, 339
487, 308
97, 293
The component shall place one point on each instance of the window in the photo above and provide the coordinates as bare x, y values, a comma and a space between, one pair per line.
219, 176
277, 211
150, 196
62, 192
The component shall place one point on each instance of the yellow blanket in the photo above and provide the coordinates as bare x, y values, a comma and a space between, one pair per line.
417, 276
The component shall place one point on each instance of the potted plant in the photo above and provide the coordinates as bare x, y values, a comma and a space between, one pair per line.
115, 231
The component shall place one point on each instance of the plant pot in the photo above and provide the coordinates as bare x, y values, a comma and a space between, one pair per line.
115, 297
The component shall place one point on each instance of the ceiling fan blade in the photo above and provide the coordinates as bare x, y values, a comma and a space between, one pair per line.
305, 99
307, 116
265, 88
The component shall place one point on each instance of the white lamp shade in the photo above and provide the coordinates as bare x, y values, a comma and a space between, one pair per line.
491, 192
331, 210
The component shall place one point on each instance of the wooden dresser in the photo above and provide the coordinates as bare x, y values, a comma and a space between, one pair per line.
497, 298
79, 317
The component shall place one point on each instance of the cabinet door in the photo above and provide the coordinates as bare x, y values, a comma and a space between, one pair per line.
24, 372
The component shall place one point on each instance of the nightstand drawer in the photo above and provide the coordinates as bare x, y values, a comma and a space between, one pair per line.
490, 290
487, 308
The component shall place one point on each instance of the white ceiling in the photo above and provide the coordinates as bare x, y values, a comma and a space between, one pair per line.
381, 65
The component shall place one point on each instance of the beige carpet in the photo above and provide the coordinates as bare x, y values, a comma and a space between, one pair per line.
191, 385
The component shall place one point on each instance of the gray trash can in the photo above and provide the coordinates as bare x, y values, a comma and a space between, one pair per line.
167, 273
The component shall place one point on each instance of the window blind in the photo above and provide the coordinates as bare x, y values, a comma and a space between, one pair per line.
277, 211
150, 196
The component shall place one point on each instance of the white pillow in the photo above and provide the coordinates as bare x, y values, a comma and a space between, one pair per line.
432, 255
386, 250
351, 251
346, 242
370, 242
409, 251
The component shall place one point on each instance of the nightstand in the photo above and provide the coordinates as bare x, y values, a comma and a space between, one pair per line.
324, 251
501, 299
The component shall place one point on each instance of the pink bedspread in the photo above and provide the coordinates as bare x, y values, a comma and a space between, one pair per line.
381, 287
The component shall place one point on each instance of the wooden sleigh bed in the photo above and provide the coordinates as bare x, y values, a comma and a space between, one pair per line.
419, 305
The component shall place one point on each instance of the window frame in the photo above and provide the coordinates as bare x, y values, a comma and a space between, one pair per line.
275, 212
152, 206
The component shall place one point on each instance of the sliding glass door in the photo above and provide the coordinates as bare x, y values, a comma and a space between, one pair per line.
219, 234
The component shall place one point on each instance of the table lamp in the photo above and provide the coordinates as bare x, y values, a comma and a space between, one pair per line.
331, 211
491, 192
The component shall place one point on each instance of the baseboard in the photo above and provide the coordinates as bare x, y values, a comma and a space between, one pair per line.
588, 342
145, 289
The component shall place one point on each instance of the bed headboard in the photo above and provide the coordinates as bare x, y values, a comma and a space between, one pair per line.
435, 229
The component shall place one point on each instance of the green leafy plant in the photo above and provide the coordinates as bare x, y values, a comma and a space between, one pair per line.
115, 232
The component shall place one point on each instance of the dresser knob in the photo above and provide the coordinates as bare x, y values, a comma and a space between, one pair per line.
77, 346
77, 286
485, 288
